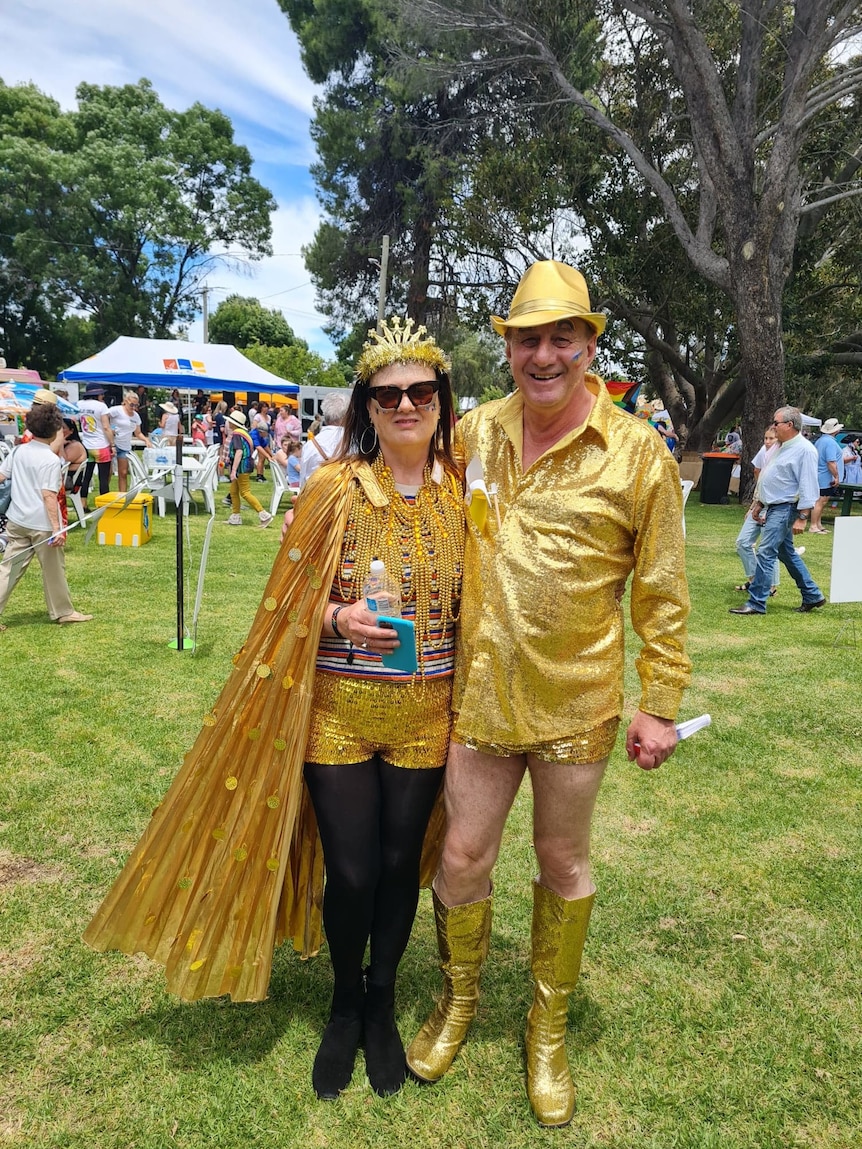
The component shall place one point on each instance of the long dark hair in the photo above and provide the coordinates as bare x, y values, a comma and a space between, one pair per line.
360, 440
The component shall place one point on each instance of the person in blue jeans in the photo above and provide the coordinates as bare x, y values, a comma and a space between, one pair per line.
788, 491
750, 530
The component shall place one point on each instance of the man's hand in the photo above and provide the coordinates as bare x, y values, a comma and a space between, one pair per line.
650, 740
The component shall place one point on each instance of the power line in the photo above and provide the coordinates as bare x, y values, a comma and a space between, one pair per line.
106, 246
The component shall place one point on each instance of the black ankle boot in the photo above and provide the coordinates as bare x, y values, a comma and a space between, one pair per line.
384, 1051
333, 1065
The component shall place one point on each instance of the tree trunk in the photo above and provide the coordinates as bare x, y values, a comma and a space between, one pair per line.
757, 300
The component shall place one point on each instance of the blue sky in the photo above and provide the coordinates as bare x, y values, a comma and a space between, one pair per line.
237, 55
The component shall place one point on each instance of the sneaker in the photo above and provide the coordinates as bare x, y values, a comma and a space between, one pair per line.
227, 501
800, 550
260, 478
234, 521
265, 518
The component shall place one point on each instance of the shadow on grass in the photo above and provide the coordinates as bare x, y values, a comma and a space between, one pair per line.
240, 1033
218, 1030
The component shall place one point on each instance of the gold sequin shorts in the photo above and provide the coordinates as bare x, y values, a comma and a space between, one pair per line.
577, 750
352, 719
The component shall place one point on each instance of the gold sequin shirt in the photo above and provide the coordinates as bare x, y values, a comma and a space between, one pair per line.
540, 653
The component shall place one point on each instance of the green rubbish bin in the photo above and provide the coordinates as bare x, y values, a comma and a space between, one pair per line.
715, 477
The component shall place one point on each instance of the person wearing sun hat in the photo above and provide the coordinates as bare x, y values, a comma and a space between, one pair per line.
581, 495
170, 422
830, 471
239, 467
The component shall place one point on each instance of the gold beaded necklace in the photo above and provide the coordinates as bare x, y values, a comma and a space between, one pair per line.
422, 539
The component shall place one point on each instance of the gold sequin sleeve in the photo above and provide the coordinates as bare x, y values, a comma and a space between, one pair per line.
540, 652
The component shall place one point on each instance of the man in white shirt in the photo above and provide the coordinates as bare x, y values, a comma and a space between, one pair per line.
327, 441
788, 491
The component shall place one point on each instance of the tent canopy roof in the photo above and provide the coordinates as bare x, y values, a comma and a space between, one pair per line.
173, 363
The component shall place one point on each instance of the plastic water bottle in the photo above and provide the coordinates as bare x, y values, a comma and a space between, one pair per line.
382, 594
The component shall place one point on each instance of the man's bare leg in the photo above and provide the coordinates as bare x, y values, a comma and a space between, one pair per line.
816, 523
480, 790
564, 798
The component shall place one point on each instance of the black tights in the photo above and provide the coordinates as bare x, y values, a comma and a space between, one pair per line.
104, 477
372, 819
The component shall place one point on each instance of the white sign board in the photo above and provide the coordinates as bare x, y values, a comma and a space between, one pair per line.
846, 583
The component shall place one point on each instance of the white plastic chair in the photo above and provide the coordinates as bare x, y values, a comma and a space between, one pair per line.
205, 480
137, 469
687, 487
280, 485
73, 496
201, 477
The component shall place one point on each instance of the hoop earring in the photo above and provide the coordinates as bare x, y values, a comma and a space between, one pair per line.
363, 450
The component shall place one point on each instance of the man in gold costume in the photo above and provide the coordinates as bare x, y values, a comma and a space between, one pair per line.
585, 496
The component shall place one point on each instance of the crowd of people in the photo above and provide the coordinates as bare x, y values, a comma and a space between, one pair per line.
332, 778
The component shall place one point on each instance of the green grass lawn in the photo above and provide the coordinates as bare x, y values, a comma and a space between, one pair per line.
719, 1004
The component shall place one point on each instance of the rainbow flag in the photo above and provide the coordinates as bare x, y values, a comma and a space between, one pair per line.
624, 394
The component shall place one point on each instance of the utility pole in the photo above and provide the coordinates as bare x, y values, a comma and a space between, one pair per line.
205, 293
381, 291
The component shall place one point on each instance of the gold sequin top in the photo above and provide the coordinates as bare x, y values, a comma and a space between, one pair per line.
540, 652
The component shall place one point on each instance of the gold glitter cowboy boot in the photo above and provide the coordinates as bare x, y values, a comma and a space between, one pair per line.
463, 934
559, 932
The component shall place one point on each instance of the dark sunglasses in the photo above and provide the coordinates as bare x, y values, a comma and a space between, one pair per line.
419, 394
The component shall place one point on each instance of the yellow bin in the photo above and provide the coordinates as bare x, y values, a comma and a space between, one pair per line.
125, 526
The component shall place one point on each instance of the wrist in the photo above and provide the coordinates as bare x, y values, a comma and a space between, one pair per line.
333, 622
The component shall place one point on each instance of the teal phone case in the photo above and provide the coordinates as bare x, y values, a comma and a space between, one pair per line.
404, 658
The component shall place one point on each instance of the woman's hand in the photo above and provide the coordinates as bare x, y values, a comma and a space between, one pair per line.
359, 626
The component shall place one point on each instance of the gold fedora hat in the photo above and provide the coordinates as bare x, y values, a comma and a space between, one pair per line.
549, 291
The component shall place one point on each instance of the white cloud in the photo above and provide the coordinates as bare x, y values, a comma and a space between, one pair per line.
281, 283
232, 54
238, 55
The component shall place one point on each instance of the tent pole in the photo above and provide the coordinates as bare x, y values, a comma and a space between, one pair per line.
180, 642
180, 619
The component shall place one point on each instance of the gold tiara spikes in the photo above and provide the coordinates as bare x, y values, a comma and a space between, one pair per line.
397, 342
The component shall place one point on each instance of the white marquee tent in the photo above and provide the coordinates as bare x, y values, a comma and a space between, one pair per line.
171, 363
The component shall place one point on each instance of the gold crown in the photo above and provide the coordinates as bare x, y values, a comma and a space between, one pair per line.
398, 343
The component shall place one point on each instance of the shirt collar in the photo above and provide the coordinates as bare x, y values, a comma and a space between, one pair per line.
510, 417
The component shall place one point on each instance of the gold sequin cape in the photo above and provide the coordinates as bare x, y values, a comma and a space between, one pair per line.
540, 644
231, 864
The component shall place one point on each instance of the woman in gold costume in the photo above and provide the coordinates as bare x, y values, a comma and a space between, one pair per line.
231, 862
